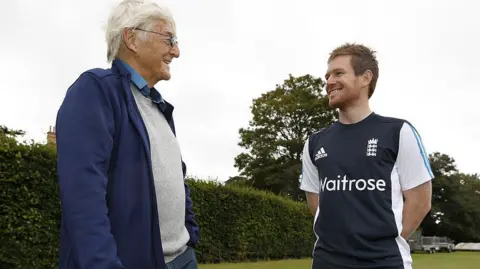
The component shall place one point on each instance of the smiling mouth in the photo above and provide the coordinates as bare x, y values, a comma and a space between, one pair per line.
334, 91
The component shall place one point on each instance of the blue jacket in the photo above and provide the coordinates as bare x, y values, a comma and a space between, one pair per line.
109, 210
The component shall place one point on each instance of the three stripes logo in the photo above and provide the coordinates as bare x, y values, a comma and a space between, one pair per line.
320, 154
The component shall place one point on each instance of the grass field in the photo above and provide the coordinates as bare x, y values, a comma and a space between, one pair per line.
457, 260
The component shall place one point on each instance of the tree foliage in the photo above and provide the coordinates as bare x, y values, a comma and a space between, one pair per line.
282, 120
10, 132
455, 203
238, 181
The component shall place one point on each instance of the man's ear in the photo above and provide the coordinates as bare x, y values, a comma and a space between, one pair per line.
129, 39
367, 78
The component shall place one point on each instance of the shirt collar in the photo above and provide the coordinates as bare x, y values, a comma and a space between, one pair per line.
142, 85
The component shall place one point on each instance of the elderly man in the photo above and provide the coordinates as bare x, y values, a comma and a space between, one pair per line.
124, 200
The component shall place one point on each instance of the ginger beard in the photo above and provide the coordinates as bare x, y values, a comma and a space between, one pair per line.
343, 87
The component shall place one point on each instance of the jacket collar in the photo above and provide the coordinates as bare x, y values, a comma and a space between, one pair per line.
120, 69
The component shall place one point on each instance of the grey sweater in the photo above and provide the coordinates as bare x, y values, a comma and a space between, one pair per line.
168, 177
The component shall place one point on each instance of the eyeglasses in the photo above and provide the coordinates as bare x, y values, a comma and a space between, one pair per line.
172, 41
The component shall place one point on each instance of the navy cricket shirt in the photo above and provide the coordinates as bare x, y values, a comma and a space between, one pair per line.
360, 171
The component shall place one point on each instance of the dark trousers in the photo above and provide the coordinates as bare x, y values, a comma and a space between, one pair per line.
186, 260
319, 263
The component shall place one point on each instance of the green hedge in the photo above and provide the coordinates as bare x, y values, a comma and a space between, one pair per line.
236, 223
29, 206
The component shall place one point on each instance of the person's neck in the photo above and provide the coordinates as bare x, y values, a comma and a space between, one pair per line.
151, 80
354, 113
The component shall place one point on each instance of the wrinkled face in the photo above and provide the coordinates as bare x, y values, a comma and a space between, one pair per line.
343, 87
157, 52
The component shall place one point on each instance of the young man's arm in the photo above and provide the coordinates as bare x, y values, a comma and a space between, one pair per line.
417, 205
85, 131
415, 179
312, 201
309, 180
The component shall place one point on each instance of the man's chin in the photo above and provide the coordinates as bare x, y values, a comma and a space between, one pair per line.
333, 104
166, 76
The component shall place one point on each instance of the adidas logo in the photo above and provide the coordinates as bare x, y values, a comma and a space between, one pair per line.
320, 154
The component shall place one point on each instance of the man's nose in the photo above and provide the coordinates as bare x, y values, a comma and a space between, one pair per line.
175, 51
331, 81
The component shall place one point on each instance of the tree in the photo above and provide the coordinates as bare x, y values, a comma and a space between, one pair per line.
282, 120
442, 164
10, 132
455, 203
238, 181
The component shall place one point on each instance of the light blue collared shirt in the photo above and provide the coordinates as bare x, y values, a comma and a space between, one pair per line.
142, 85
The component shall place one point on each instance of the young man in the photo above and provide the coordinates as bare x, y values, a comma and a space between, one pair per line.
125, 203
367, 177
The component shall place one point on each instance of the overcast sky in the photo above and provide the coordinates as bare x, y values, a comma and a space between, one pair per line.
233, 51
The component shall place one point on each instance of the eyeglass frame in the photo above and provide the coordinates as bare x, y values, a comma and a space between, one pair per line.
172, 40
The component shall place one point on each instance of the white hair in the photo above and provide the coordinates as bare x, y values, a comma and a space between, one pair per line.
133, 14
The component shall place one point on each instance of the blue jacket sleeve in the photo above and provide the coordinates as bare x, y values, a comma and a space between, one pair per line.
190, 222
85, 131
